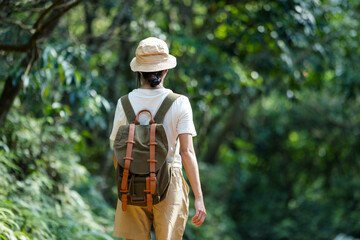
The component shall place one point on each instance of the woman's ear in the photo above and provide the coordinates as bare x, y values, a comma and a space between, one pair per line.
164, 74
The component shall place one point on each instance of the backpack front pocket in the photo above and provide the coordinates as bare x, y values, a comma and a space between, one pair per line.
136, 189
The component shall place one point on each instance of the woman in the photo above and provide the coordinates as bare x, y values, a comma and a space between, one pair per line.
168, 217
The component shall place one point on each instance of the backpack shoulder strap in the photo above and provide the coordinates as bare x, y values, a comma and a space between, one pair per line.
164, 107
128, 109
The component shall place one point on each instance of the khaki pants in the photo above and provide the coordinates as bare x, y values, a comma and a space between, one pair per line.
168, 217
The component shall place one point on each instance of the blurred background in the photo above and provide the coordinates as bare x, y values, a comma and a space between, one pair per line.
274, 87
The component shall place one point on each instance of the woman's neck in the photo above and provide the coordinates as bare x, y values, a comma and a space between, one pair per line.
147, 86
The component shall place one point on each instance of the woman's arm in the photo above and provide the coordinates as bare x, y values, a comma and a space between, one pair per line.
192, 171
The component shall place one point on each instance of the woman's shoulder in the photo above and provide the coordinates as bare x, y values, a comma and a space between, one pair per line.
182, 104
182, 98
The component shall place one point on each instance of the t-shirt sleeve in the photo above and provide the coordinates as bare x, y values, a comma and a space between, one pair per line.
185, 123
119, 119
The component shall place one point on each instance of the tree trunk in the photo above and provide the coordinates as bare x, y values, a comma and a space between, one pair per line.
221, 136
11, 89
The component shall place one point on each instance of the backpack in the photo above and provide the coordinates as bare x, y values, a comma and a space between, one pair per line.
142, 172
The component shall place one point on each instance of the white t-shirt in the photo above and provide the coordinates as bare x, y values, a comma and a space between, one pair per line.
178, 120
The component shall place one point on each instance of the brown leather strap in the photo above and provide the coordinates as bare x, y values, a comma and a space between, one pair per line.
124, 201
124, 182
151, 180
137, 117
152, 159
149, 199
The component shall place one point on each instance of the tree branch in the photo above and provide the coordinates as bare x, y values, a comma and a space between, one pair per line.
37, 23
235, 118
117, 20
39, 30
18, 23
14, 81
15, 48
54, 19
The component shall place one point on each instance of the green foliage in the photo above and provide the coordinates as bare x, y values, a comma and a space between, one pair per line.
290, 179
45, 192
274, 87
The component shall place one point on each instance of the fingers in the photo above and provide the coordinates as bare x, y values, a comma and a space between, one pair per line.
199, 218
196, 221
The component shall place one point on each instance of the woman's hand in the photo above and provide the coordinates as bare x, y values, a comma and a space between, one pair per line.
200, 214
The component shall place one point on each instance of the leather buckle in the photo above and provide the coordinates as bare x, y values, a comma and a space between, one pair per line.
152, 143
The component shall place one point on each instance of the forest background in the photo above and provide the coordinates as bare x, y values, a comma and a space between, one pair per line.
274, 87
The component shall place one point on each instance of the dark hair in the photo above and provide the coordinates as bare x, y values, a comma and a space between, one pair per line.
154, 78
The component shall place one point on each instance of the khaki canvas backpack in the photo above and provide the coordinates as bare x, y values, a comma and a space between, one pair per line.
142, 172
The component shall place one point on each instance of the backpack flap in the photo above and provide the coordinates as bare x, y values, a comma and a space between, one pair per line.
140, 151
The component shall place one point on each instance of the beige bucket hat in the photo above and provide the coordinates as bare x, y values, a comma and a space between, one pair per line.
152, 55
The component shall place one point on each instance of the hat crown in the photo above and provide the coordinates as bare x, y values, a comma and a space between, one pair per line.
152, 46
152, 55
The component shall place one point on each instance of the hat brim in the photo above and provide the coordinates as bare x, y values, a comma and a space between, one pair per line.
141, 67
